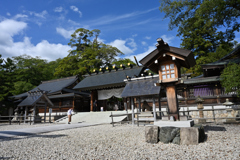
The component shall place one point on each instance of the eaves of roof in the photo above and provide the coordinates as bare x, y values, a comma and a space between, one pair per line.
202, 80
108, 79
53, 86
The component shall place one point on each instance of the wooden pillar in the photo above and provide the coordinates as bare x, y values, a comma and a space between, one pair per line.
132, 105
217, 93
125, 104
159, 106
60, 105
34, 112
154, 110
73, 103
172, 102
45, 112
25, 115
92, 100
94, 97
139, 104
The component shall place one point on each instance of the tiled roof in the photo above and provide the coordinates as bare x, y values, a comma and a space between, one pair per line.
144, 87
33, 98
52, 86
202, 79
108, 79
221, 63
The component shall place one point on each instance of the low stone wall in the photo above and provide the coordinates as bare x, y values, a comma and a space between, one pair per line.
175, 135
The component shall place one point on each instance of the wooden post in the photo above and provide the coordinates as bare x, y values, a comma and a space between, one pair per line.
25, 115
139, 104
125, 106
34, 112
131, 99
172, 102
112, 119
213, 114
159, 106
137, 119
45, 110
154, 110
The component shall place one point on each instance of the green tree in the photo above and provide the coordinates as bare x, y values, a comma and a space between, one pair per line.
230, 78
7, 68
204, 25
123, 61
87, 54
31, 71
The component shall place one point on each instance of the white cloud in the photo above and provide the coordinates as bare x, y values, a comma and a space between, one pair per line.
75, 9
44, 49
167, 39
65, 33
8, 14
39, 15
20, 16
147, 37
144, 43
132, 44
58, 9
135, 35
9, 28
121, 45
141, 55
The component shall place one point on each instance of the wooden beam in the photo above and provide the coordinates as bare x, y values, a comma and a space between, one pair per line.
174, 55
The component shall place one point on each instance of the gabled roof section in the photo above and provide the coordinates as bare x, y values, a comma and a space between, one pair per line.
53, 86
141, 87
235, 52
108, 79
34, 97
220, 64
184, 57
232, 57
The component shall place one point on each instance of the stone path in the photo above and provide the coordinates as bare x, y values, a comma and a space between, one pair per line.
42, 129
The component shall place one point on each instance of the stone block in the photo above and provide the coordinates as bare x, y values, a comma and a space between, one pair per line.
167, 134
151, 134
189, 136
201, 132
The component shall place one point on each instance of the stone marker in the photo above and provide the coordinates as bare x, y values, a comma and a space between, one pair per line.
151, 134
168, 134
189, 136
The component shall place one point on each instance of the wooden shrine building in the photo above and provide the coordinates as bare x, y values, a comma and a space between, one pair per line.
62, 95
108, 83
34, 101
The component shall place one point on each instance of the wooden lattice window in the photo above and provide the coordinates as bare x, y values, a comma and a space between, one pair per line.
168, 71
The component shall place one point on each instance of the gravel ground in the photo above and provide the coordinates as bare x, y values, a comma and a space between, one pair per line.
120, 142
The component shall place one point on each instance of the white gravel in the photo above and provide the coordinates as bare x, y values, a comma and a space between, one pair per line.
120, 142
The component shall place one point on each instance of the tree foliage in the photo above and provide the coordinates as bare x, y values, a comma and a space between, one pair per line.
87, 54
204, 25
230, 78
6, 78
31, 71
123, 61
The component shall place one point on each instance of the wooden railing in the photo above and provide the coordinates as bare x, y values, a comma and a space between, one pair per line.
18, 119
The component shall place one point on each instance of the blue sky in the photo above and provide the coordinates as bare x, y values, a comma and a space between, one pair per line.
43, 28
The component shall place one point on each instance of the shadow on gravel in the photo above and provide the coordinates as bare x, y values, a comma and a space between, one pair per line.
214, 128
5, 158
25, 135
